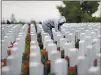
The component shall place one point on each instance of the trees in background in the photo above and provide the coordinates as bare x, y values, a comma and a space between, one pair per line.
74, 11
8, 22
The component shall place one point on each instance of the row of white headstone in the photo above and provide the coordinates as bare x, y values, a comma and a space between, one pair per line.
83, 58
10, 36
89, 49
35, 65
89, 35
16, 33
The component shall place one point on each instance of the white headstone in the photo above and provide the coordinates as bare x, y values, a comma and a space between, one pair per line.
82, 48
98, 56
11, 64
90, 55
71, 39
46, 38
34, 43
96, 45
53, 56
4, 48
43, 35
35, 57
73, 54
93, 34
15, 51
87, 33
88, 41
34, 48
60, 67
47, 42
94, 71
33, 37
82, 36
67, 47
51, 47
58, 37
6, 70
62, 42
82, 65
16, 44
99, 37
36, 68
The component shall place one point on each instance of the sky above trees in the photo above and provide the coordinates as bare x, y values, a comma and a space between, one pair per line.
36, 10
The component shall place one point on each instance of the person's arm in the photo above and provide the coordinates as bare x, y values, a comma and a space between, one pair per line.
56, 26
50, 33
60, 22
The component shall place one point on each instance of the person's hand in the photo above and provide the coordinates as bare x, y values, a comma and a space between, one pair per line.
55, 42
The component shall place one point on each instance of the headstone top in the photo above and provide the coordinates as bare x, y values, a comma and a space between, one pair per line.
81, 57
60, 60
94, 69
69, 45
99, 54
14, 48
33, 54
34, 42
5, 37
5, 68
73, 49
34, 46
10, 57
34, 64
89, 47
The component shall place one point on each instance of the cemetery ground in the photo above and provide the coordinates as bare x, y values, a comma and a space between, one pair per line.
75, 50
